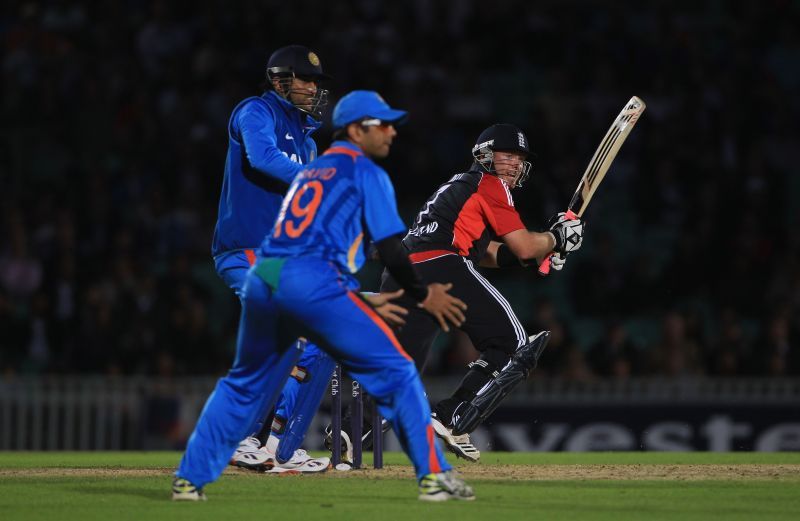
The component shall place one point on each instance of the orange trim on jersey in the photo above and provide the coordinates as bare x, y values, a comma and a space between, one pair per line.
352, 251
251, 256
366, 308
423, 256
343, 150
433, 461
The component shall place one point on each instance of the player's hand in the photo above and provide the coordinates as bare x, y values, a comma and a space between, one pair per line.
557, 261
560, 217
568, 233
391, 313
443, 306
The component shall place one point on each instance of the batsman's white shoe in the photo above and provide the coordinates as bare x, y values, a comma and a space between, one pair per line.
300, 462
248, 455
184, 490
443, 487
461, 445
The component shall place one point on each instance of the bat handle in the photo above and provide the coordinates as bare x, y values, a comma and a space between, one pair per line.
544, 267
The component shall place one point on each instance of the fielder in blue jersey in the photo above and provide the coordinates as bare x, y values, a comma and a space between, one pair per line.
336, 207
269, 142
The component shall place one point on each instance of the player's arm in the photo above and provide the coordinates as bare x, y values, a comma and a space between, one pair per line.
394, 256
525, 246
563, 237
520, 244
489, 259
257, 130
393, 314
499, 255
517, 244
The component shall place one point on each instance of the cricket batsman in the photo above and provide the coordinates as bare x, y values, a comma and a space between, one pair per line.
477, 225
470, 221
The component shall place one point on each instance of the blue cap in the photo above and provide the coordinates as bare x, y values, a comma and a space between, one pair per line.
361, 104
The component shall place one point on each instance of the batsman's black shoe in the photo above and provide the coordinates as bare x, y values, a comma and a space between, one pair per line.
366, 439
347, 445
461, 446
443, 487
184, 490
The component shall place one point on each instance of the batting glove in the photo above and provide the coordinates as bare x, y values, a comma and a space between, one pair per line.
568, 234
557, 261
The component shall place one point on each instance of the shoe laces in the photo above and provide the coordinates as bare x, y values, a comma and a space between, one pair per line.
251, 441
462, 439
300, 453
455, 483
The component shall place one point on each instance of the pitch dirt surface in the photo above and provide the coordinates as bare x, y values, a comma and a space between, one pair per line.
579, 472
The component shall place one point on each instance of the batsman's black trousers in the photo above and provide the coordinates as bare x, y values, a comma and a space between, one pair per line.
490, 321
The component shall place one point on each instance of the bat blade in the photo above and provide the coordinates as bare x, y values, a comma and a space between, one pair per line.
605, 154
600, 163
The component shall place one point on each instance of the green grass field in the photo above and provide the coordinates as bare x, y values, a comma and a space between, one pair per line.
102, 485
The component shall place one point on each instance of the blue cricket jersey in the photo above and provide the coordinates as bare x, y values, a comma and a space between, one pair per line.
335, 208
269, 141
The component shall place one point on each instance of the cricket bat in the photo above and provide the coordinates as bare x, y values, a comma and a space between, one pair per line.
600, 163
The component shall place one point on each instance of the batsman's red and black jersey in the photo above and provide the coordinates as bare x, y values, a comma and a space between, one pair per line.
463, 215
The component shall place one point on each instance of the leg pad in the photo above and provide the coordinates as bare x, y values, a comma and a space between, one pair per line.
469, 415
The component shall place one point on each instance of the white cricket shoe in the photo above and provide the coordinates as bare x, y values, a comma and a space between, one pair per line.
248, 455
444, 486
248, 444
184, 490
461, 445
299, 462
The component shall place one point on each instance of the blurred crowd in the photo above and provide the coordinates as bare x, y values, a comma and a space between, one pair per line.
113, 138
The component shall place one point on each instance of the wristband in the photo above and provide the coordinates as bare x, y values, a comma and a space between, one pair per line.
505, 257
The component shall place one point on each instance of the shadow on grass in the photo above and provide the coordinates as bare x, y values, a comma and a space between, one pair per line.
128, 490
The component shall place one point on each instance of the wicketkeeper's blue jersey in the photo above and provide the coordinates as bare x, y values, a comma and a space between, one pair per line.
335, 208
269, 141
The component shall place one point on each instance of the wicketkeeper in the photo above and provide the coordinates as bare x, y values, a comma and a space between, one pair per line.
269, 142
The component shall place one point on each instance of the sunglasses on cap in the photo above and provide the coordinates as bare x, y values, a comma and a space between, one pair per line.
375, 122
